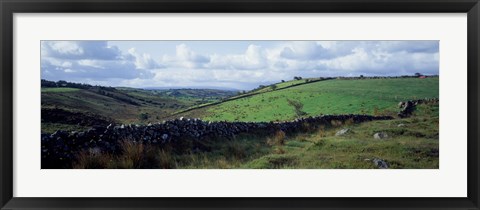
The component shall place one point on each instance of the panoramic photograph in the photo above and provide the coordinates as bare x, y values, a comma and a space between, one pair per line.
239, 104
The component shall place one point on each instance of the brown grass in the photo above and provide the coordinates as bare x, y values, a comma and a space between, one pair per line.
133, 155
321, 132
165, 159
279, 150
88, 159
278, 139
236, 149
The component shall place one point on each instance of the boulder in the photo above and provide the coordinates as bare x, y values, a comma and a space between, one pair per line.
379, 163
380, 135
343, 132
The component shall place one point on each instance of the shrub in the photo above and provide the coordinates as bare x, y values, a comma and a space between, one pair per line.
143, 116
297, 106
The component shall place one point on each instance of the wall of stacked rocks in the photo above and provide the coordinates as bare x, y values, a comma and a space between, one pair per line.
59, 148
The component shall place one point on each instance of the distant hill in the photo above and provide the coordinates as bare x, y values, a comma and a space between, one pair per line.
117, 105
194, 88
285, 100
205, 94
334, 96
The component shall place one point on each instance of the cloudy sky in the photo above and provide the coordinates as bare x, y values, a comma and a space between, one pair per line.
239, 65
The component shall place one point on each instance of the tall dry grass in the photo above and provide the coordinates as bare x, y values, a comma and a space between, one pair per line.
88, 159
134, 155
278, 139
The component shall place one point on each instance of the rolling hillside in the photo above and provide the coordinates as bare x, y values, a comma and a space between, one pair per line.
410, 142
275, 102
118, 105
338, 96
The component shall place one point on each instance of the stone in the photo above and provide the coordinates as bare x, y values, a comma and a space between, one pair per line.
380, 135
401, 125
379, 163
343, 132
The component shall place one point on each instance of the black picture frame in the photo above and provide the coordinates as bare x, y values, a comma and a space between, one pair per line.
9, 7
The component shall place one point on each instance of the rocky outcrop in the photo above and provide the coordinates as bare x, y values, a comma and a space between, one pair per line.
58, 149
407, 107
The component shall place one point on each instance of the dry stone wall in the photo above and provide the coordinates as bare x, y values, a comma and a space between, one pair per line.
407, 107
59, 148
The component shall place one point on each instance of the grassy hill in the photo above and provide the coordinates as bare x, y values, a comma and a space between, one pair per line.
411, 143
338, 96
267, 103
119, 105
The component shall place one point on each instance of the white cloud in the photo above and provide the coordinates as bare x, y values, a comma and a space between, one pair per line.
90, 63
185, 58
62, 47
98, 50
305, 50
181, 77
253, 58
144, 60
100, 63
87, 60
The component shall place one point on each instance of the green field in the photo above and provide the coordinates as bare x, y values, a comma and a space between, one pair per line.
122, 105
59, 90
336, 96
369, 96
